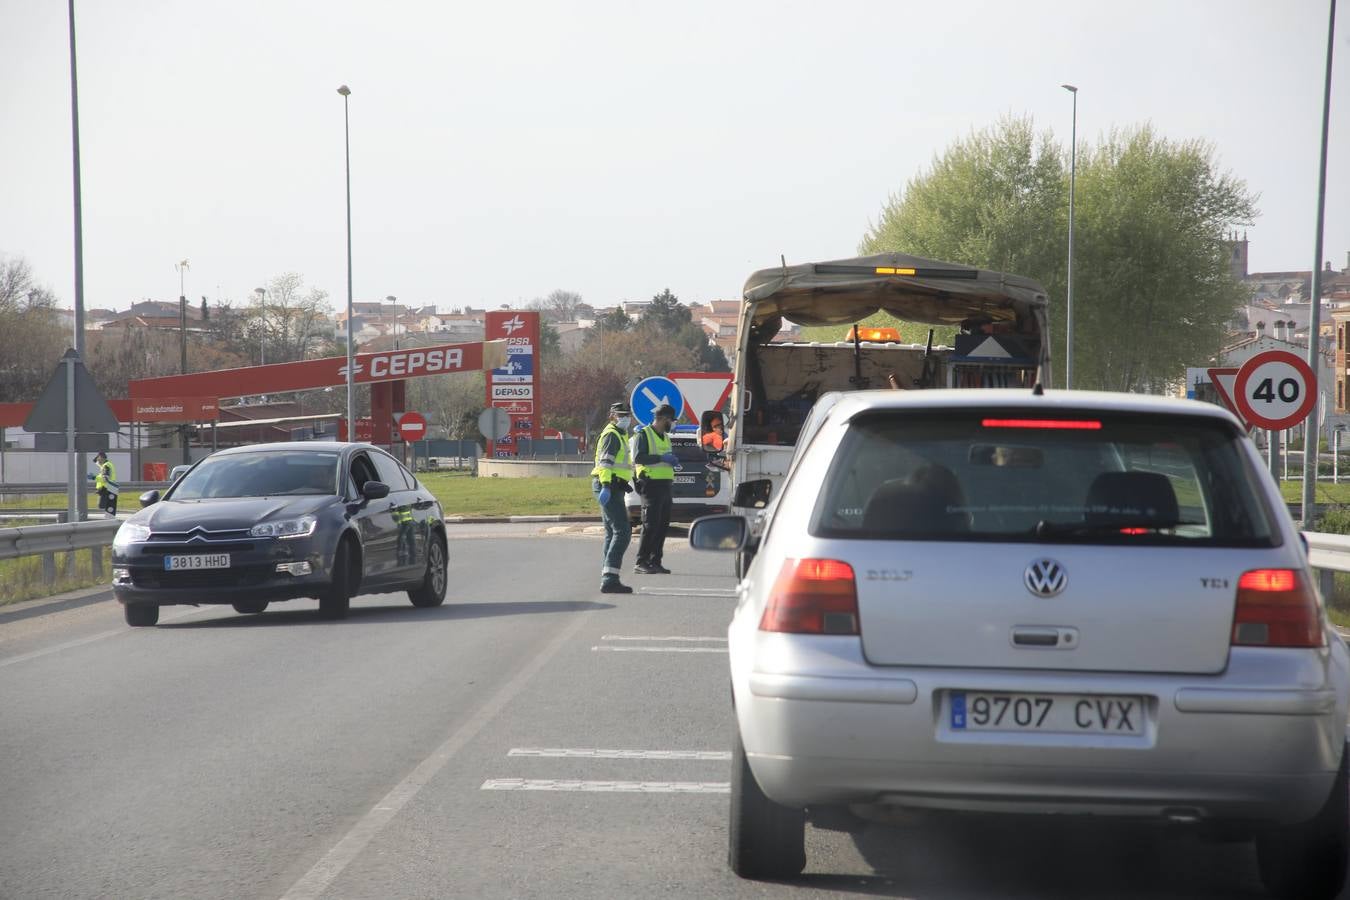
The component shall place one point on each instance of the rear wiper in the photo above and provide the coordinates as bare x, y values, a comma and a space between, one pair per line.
1046, 529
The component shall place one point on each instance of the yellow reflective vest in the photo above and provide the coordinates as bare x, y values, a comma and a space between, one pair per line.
105, 479
608, 468
657, 444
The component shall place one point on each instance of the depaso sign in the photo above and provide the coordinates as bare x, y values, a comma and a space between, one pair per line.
516, 383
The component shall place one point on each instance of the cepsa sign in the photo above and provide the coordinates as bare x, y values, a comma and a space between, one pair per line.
517, 379
329, 371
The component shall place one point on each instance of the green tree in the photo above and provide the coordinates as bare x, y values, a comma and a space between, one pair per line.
1152, 286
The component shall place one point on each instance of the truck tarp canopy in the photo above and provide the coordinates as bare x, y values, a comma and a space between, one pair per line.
850, 290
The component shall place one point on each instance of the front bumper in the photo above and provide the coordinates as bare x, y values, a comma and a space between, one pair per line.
251, 575
1262, 742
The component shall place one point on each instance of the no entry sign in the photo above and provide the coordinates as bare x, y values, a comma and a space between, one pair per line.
412, 426
1275, 390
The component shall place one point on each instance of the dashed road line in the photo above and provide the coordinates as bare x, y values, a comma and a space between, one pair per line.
687, 592
607, 787
640, 637
592, 753
612, 649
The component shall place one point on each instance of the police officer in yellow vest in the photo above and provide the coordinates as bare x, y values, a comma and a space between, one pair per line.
105, 482
611, 479
656, 475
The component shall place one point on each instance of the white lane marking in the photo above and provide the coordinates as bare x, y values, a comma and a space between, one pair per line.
687, 592
608, 787
603, 649
639, 637
317, 879
80, 642
589, 753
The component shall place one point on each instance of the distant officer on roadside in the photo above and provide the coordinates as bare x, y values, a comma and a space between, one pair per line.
655, 460
611, 479
105, 482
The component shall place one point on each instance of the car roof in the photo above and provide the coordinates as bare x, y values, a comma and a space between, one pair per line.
320, 446
993, 399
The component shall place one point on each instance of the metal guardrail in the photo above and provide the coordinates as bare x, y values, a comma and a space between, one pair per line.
49, 540
129, 488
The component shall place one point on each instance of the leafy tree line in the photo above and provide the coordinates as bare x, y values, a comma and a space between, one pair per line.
1152, 284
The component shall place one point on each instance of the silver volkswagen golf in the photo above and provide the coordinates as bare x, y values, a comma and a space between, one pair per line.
1061, 603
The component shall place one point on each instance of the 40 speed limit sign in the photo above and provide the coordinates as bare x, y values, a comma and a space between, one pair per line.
1275, 390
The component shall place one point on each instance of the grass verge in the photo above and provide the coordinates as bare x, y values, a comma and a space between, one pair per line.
464, 495
23, 579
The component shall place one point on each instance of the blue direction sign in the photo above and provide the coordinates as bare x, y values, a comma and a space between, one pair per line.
652, 392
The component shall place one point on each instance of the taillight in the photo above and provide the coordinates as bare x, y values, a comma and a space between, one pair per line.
813, 596
1277, 608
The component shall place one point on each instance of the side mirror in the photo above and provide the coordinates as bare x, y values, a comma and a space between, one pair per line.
754, 494
374, 490
718, 533
149, 498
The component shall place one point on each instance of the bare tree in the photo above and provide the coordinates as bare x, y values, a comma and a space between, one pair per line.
290, 319
559, 306
31, 335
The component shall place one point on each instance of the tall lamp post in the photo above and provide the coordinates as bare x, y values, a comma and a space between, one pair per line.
262, 325
1313, 434
182, 267
351, 374
1073, 177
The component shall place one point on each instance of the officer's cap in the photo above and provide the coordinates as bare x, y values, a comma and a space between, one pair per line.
620, 409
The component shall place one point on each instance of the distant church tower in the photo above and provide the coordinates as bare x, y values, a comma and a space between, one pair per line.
1237, 256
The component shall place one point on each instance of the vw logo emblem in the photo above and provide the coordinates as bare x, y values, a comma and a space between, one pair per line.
1045, 578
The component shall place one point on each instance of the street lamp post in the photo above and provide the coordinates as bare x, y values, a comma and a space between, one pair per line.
393, 306
182, 267
262, 325
1311, 446
1073, 177
351, 374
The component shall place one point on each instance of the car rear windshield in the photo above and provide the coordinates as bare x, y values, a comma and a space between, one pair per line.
260, 474
1030, 476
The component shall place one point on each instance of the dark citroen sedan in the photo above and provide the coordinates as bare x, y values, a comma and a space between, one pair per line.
252, 525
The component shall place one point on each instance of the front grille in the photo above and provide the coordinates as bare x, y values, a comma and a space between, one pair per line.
199, 578
199, 535
154, 545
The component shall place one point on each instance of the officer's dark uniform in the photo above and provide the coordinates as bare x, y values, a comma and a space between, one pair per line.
655, 458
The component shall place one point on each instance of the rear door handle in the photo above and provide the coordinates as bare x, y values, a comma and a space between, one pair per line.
1046, 637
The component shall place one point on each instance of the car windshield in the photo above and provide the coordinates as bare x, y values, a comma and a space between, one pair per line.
1028, 477
267, 473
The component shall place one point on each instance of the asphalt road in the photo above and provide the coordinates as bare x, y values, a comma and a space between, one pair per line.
531, 738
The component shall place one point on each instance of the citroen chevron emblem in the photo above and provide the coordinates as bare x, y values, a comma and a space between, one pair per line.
1045, 578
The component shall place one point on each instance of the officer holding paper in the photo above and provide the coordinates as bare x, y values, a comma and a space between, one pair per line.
655, 460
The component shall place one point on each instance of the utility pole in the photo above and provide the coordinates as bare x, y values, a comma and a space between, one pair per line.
182, 266
1310, 447
81, 505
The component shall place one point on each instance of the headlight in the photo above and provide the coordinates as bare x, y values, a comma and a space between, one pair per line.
130, 533
286, 528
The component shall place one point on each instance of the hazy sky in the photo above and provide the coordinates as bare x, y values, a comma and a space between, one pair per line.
501, 150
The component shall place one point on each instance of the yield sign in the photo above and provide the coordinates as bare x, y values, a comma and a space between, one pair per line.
702, 391
1222, 379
